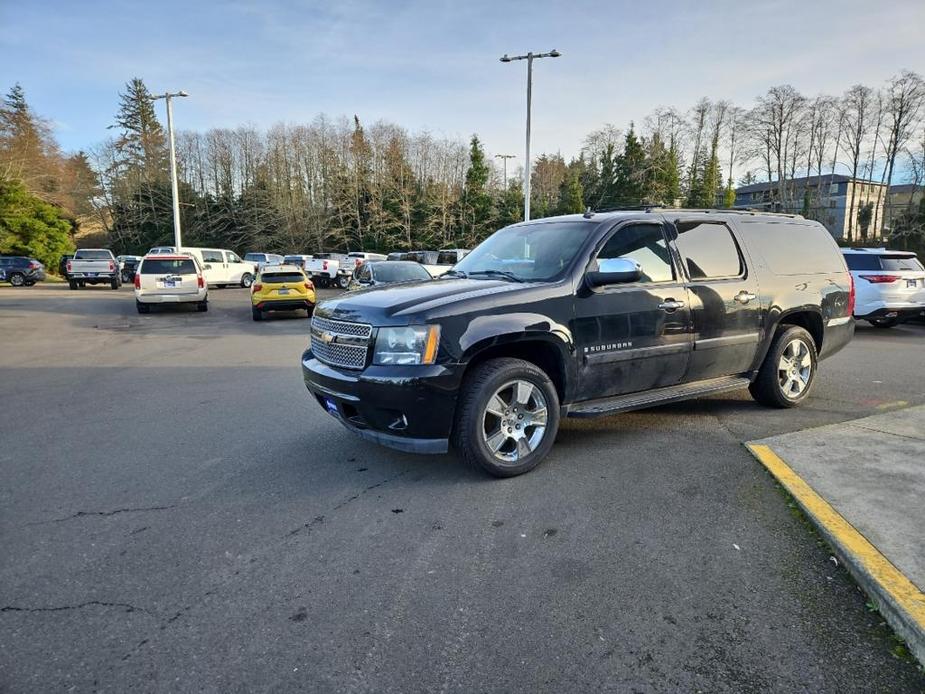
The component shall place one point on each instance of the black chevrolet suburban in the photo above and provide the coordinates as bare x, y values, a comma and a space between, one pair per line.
582, 316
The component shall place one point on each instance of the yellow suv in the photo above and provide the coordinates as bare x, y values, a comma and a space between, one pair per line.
281, 288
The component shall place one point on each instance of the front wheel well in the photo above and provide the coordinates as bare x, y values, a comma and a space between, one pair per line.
809, 321
539, 352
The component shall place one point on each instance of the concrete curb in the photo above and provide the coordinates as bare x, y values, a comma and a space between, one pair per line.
899, 600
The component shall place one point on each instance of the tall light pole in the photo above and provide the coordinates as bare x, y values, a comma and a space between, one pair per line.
529, 57
167, 96
505, 157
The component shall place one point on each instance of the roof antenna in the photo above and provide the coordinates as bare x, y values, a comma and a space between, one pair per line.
588, 212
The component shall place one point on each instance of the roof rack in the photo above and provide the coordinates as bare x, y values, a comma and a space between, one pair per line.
706, 210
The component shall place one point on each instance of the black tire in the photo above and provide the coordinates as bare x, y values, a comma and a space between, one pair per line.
256, 314
343, 281
247, 279
17, 279
884, 323
72, 284
142, 308
767, 388
114, 283
202, 306
469, 435
81, 284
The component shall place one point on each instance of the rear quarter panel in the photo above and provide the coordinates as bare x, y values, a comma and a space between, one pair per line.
800, 270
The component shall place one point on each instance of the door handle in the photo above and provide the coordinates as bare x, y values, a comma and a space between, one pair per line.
671, 305
744, 297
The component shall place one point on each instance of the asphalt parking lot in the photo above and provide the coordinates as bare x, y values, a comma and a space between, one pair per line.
177, 514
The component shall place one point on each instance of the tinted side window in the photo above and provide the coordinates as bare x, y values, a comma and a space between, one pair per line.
708, 250
794, 247
645, 244
862, 261
212, 256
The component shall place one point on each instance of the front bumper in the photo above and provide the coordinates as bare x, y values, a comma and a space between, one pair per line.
409, 408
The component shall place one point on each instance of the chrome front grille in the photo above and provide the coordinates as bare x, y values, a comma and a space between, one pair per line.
340, 343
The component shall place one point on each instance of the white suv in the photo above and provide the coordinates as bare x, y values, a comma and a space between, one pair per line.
889, 285
170, 279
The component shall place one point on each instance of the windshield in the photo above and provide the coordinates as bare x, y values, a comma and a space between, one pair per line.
93, 255
399, 272
531, 252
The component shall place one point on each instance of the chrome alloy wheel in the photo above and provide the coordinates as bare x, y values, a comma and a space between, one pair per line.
794, 369
514, 421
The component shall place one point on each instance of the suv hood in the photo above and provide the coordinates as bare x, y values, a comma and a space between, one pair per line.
407, 303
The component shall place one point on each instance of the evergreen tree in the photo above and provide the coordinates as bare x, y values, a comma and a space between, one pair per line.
32, 227
571, 194
27, 149
476, 201
629, 182
142, 145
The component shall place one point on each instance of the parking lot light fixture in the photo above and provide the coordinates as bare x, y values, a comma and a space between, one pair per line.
174, 188
529, 57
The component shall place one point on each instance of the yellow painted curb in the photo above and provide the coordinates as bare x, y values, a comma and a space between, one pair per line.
891, 583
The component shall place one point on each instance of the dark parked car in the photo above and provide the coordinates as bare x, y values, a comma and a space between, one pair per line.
581, 316
374, 273
21, 271
62, 265
129, 267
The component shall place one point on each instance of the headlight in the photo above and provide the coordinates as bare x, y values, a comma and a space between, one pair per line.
413, 344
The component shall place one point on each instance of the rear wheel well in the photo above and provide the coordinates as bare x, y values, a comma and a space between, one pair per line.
543, 354
809, 321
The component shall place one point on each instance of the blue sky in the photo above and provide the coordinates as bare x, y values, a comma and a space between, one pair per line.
433, 64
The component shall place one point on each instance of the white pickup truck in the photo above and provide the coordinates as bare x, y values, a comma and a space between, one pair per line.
93, 266
325, 269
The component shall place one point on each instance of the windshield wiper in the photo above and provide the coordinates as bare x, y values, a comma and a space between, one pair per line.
454, 273
499, 273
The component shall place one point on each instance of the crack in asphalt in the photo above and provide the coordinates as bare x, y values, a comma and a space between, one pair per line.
61, 608
82, 514
317, 520
367, 489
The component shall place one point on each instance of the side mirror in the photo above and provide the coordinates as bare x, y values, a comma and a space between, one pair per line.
615, 271
207, 266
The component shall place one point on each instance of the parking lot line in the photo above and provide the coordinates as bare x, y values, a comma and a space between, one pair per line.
900, 600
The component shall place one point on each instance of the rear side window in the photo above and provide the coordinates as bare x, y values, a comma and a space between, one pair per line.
862, 261
211, 256
794, 249
280, 277
161, 266
708, 250
645, 244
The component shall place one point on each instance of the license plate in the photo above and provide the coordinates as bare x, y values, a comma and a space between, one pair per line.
911, 283
331, 407
170, 283
284, 290
91, 274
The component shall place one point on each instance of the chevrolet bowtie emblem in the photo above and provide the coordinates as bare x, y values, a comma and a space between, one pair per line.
327, 337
